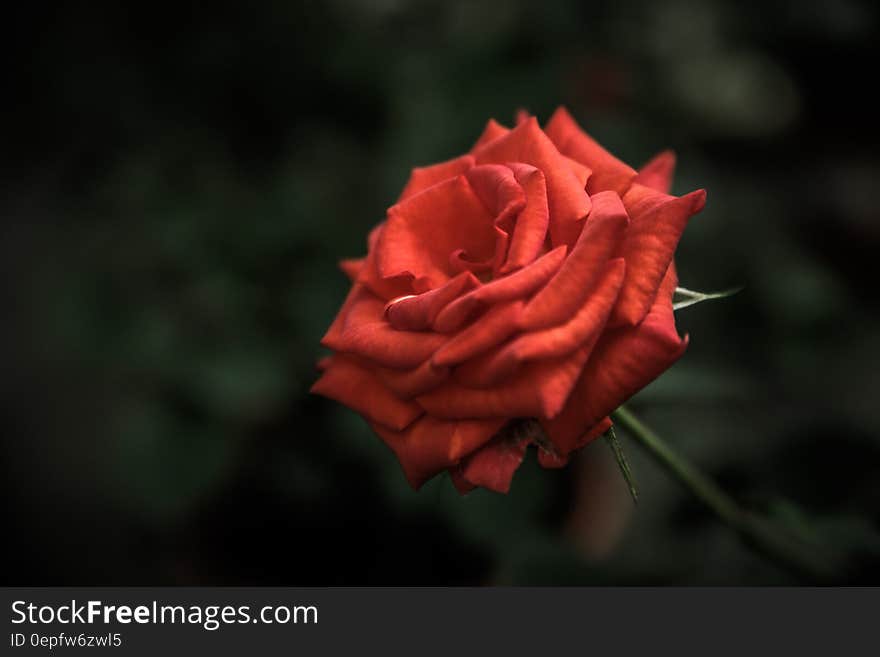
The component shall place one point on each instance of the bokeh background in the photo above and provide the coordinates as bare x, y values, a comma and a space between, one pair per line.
179, 184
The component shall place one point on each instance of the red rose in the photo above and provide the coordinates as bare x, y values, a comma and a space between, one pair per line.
529, 278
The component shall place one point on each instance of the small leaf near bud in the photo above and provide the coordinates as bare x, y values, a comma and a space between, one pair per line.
625, 470
684, 297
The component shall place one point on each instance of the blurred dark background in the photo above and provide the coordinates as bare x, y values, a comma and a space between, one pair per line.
179, 184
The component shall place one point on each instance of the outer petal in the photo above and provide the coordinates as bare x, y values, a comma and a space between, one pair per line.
622, 363
462, 485
568, 201
568, 289
348, 383
422, 231
422, 178
552, 461
565, 445
491, 132
493, 465
658, 172
352, 267
408, 384
518, 285
429, 446
608, 171
538, 389
360, 329
368, 274
656, 224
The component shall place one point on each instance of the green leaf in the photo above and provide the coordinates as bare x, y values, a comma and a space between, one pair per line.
690, 297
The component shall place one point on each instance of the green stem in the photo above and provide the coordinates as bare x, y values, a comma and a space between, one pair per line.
758, 532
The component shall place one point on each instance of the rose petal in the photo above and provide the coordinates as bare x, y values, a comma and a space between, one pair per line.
462, 485
429, 446
385, 288
408, 384
550, 460
514, 286
493, 328
582, 172
568, 201
491, 132
609, 173
360, 329
334, 332
566, 291
422, 178
532, 222
497, 188
348, 383
622, 363
658, 172
538, 389
657, 221
416, 312
352, 267
517, 195
503, 196
563, 443
459, 261
422, 231
493, 465
574, 340
583, 328
580, 332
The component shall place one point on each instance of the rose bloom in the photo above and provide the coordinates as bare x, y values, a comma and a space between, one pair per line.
529, 279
